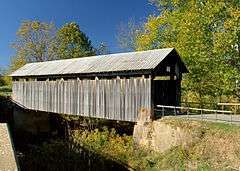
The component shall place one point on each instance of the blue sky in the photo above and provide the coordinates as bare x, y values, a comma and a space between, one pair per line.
99, 19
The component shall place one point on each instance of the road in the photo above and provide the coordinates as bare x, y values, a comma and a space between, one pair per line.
221, 118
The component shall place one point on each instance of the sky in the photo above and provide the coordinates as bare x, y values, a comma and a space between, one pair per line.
99, 19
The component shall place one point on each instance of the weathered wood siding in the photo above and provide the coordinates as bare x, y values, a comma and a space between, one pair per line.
116, 99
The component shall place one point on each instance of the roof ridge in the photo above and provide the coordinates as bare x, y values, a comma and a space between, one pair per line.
98, 56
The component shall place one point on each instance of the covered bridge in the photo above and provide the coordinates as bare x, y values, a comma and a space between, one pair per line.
115, 86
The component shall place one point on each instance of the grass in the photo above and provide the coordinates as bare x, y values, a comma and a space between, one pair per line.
217, 148
218, 145
227, 128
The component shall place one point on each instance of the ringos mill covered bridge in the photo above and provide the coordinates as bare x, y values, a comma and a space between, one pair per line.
115, 86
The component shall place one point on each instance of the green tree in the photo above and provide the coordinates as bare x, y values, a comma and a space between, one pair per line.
2, 82
206, 34
73, 43
35, 41
40, 41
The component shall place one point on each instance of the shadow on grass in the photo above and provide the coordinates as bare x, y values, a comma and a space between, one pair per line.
62, 155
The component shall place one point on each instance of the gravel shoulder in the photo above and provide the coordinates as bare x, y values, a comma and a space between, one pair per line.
7, 157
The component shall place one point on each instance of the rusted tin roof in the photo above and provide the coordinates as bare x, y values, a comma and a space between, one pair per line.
131, 61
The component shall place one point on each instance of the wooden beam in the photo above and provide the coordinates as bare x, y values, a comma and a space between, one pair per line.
93, 75
152, 97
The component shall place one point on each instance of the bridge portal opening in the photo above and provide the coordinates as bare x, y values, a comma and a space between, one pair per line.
166, 93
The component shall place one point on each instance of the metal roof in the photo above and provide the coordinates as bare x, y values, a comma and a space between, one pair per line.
132, 61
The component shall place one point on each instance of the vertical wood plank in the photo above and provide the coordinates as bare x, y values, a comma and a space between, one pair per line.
118, 99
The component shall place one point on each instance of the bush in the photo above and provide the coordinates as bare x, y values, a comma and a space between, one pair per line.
115, 147
64, 155
5, 91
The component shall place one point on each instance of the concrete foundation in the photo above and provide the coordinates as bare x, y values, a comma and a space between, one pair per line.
160, 137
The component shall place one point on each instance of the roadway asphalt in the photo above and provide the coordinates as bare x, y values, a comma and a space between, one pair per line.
221, 118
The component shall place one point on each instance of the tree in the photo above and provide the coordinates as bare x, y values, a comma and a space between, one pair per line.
127, 34
35, 41
102, 49
40, 41
73, 43
206, 34
2, 82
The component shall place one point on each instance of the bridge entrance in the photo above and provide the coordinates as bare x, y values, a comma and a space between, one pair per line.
166, 92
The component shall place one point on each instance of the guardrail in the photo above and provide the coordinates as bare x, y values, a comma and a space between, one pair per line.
197, 113
199, 105
234, 106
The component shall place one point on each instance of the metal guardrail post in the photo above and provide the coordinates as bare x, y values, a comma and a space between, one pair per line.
201, 113
175, 112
